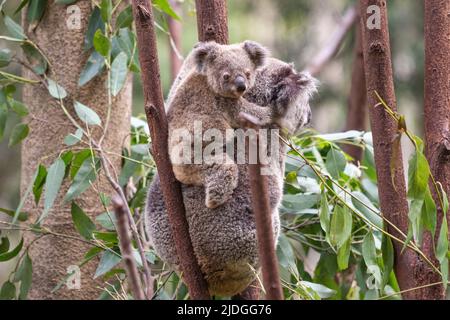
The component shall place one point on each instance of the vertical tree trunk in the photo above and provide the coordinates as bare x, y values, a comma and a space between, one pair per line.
175, 30
393, 202
212, 20
64, 49
156, 117
437, 114
357, 111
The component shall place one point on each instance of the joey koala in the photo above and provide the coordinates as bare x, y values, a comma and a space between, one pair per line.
208, 100
224, 238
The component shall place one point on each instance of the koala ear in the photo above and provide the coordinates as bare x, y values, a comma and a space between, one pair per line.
256, 52
293, 86
203, 52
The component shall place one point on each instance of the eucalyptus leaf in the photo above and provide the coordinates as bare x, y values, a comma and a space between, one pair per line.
335, 163
86, 114
101, 43
341, 226
39, 181
8, 291
83, 179
24, 274
119, 70
94, 66
73, 138
13, 253
108, 261
125, 18
95, 23
106, 10
14, 29
19, 132
55, 177
82, 222
5, 57
55, 90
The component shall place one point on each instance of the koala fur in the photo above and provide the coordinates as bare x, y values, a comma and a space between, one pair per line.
211, 95
224, 238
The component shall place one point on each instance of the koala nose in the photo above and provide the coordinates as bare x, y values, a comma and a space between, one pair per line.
239, 82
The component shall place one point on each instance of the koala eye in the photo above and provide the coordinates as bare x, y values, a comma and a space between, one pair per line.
226, 76
248, 74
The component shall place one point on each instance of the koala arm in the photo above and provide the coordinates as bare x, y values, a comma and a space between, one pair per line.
264, 114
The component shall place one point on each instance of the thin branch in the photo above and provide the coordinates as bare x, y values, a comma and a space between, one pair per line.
126, 248
334, 44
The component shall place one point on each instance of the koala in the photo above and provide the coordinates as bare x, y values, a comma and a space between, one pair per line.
224, 238
208, 102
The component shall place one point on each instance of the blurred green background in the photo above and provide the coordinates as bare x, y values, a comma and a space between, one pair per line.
294, 31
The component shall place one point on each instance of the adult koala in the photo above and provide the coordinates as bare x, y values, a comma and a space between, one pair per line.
224, 238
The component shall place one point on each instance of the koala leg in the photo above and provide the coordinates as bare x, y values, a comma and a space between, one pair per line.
220, 180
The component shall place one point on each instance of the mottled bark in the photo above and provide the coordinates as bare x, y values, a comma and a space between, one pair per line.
156, 117
437, 117
175, 30
212, 20
357, 110
64, 49
391, 188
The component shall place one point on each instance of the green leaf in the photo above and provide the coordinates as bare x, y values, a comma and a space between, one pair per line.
55, 90
125, 18
24, 274
324, 213
82, 222
429, 212
101, 43
36, 60
299, 202
370, 258
78, 160
3, 118
39, 182
8, 291
14, 29
321, 290
95, 23
86, 114
94, 67
11, 254
387, 251
18, 107
363, 205
21, 5
442, 244
341, 226
23, 216
83, 179
19, 132
119, 71
36, 9
343, 255
73, 138
106, 10
286, 255
55, 177
5, 57
164, 5
4, 244
335, 163
107, 221
108, 261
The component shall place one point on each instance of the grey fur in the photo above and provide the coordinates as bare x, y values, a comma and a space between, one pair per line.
224, 238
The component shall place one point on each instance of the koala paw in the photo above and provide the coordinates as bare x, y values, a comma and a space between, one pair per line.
215, 197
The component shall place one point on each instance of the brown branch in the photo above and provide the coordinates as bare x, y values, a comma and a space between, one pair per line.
437, 109
357, 110
113, 182
263, 218
126, 248
212, 20
334, 44
171, 188
408, 265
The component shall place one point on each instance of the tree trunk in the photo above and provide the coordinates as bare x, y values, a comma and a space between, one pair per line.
437, 115
156, 117
64, 49
357, 111
212, 21
175, 30
379, 78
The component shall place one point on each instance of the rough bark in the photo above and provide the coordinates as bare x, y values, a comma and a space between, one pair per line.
393, 202
48, 126
212, 20
357, 111
156, 117
175, 30
437, 115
